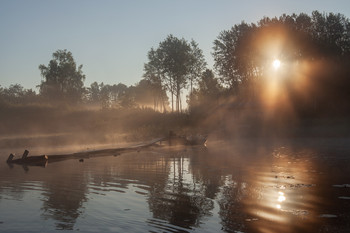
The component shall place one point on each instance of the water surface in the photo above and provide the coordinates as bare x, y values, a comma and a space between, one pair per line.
300, 185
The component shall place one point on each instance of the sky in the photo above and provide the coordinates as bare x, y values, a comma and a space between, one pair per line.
111, 38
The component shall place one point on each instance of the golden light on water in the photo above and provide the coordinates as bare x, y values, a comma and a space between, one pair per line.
281, 198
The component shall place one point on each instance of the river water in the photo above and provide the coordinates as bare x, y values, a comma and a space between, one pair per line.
299, 185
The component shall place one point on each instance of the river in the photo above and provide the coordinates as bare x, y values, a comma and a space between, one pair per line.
246, 185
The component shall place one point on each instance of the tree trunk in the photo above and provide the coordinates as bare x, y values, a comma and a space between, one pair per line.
191, 88
180, 103
178, 97
172, 94
172, 102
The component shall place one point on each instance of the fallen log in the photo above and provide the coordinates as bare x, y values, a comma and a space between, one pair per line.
43, 159
32, 160
190, 140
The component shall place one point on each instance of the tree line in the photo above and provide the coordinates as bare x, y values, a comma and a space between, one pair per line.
63, 83
314, 51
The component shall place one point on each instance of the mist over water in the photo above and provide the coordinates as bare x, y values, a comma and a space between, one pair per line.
273, 106
255, 185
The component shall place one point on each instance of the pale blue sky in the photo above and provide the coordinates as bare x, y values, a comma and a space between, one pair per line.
111, 38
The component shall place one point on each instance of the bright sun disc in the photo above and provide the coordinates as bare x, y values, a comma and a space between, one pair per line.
276, 64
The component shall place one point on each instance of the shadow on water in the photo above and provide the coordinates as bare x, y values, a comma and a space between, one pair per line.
241, 186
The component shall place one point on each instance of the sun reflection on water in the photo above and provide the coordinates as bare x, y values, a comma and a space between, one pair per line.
281, 198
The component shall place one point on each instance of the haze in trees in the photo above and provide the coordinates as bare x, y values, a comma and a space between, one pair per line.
312, 79
313, 54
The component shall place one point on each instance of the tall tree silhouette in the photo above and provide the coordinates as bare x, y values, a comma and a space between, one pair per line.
63, 80
174, 62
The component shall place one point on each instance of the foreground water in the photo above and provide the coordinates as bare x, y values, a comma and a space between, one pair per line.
240, 186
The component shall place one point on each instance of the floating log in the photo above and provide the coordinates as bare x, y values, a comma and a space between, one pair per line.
42, 159
197, 139
186, 140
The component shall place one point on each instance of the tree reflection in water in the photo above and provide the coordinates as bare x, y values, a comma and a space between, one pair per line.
221, 173
242, 186
65, 195
182, 200
62, 203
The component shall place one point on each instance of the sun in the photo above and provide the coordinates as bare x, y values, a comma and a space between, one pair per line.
276, 64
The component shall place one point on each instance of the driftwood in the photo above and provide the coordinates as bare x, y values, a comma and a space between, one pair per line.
32, 160
186, 140
43, 159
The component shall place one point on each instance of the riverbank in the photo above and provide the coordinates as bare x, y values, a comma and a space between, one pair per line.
47, 126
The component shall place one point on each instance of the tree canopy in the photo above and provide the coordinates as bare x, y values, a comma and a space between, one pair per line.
314, 52
173, 63
63, 80
241, 52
